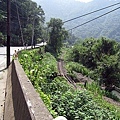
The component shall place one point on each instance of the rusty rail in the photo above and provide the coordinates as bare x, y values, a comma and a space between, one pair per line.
62, 72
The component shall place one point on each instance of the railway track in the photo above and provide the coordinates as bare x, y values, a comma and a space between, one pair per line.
62, 72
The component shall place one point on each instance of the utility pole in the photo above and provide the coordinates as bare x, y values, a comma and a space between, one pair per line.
33, 32
8, 33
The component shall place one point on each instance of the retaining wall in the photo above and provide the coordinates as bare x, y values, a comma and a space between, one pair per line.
22, 101
117, 89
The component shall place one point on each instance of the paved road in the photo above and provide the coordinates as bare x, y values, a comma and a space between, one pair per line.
3, 55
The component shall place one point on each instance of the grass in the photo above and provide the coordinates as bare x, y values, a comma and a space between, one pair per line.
98, 95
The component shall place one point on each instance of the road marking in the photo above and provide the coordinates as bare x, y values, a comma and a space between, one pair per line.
1, 62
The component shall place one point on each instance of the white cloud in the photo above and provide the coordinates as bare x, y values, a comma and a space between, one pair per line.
86, 1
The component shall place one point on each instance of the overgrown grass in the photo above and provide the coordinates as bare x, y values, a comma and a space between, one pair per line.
98, 95
58, 96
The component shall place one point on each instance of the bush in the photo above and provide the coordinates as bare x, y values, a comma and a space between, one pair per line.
58, 96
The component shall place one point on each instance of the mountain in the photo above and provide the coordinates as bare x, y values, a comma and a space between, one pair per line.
108, 25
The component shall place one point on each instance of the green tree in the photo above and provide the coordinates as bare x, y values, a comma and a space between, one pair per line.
102, 56
27, 20
34, 23
1, 39
57, 34
2, 22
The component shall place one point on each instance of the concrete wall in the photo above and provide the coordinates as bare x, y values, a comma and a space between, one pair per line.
117, 89
22, 101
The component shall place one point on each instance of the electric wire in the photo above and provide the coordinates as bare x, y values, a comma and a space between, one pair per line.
17, 18
91, 12
94, 18
86, 15
12, 10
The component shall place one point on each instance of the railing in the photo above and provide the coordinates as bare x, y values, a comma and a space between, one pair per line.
22, 101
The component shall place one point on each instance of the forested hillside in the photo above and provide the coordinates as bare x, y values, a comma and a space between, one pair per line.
108, 25
27, 20
101, 58
2, 23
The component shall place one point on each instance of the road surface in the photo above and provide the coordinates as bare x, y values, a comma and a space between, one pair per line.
3, 55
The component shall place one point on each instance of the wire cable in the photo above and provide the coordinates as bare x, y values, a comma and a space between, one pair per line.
90, 12
17, 17
15, 11
94, 18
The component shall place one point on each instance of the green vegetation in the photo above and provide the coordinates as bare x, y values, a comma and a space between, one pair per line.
107, 25
97, 58
57, 34
2, 23
27, 21
28, 25
58, 96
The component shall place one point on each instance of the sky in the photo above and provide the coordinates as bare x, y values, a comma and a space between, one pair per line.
85, 1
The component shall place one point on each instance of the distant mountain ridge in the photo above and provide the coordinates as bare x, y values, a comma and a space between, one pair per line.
108, 26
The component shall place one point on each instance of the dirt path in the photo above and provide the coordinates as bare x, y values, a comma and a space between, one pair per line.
111, 101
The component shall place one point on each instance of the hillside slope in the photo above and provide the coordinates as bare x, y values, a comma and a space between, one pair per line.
108, 25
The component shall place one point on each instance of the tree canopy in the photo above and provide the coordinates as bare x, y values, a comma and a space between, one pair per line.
102, 58
56, 35
27, 20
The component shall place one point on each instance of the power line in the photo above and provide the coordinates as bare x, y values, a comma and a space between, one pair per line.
19, 8
14, 2
91, 12
12, 10
94, 19
17, 17
14, 23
